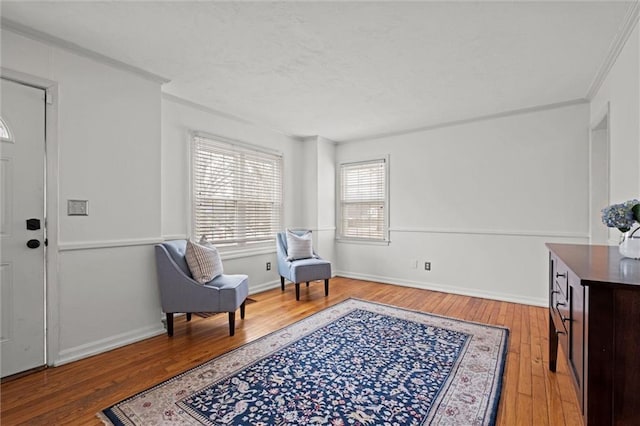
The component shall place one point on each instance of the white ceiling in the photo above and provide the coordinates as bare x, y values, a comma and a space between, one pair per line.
348, 70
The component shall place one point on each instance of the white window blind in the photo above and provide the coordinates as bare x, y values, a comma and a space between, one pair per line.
363, 200
237, 193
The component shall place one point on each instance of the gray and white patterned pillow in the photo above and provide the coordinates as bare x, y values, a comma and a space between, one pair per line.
203, 260
299, 246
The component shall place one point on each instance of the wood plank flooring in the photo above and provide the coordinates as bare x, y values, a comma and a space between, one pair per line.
74, 393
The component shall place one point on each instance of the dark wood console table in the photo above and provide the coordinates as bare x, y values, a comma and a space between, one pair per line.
594, 313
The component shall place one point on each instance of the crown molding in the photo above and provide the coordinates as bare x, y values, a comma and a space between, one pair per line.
182, 101
624, 32
23, 30
468, 120
203, 108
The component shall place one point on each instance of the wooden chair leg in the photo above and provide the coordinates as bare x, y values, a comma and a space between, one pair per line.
232, 323
188, 316
326, 287
297, 291
282, 283
242, 309
169, 324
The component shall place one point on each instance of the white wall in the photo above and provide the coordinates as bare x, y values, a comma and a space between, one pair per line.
326, 204
317, 193
478, 201
620, 92
179, 117
102, 287
309, 183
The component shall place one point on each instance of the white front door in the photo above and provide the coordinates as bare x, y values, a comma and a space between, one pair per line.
22, 279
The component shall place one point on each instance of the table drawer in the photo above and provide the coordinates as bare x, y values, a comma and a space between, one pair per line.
560, 277
559, 294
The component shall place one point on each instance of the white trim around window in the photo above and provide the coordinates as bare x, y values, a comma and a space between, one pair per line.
363, 200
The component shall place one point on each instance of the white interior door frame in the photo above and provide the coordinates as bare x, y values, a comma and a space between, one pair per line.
599, 145
52, 294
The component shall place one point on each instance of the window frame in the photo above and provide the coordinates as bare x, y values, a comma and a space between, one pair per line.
340, 237
9, 138
241, 248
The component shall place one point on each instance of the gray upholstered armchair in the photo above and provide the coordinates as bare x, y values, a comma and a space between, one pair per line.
179, 292
301, 270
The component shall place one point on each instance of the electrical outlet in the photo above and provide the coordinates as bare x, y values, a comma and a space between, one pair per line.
427, 266
268, 266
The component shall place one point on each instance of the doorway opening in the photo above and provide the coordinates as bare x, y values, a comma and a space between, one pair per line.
599, 177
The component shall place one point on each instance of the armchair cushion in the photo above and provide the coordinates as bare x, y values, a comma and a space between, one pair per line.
233, 290
299, 246
204, 262
309, 270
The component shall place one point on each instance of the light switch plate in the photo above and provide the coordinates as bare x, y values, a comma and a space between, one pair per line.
77, 208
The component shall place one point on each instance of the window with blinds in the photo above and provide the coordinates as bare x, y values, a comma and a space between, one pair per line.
237, 193
363, 206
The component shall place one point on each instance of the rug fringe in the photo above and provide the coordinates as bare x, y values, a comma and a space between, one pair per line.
104, 419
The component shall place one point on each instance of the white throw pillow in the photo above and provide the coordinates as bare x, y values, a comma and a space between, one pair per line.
299, 246
204, 242
204, 261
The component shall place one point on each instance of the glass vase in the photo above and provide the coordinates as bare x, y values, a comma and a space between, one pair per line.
630, 244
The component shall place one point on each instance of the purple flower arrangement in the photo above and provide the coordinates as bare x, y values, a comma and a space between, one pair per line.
622, 216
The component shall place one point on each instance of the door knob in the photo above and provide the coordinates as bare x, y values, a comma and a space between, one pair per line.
33, 244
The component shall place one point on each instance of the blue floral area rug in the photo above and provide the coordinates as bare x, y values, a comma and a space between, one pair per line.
355, 363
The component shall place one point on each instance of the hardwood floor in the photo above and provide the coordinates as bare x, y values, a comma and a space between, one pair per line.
74, 393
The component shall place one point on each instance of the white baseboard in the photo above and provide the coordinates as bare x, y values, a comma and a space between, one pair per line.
107, 344
253, 289
464, 291
94, 348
